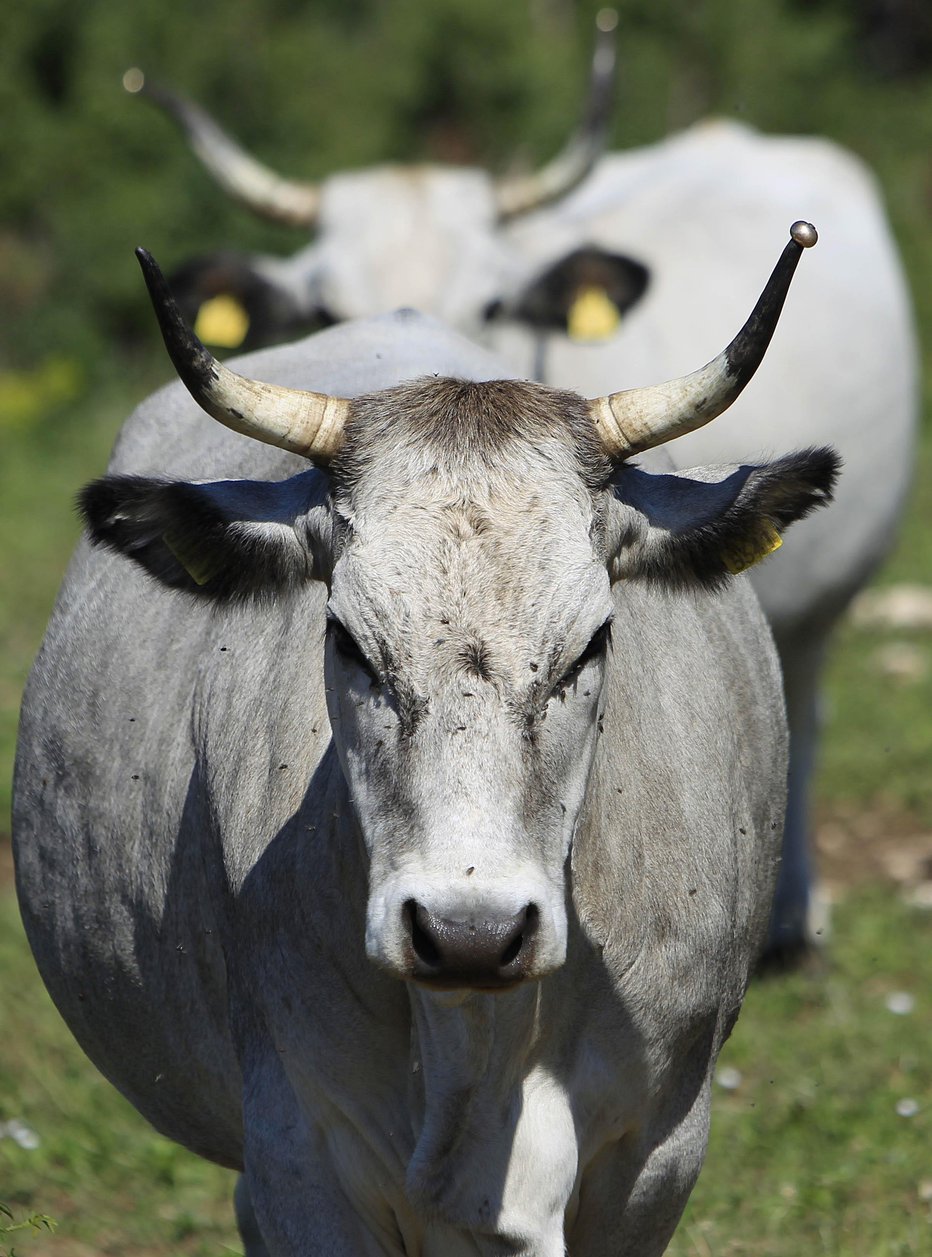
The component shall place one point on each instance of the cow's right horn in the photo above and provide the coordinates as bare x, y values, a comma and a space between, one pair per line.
640, 418
247, 180
310, 424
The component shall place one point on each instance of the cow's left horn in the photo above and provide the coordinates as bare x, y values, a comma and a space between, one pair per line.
245, 179
520, 194
304, 423
640, 418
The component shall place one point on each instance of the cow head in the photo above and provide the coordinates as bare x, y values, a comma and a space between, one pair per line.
469, 535
428, 237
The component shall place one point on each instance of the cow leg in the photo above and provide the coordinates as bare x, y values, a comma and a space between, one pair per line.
293, 1204
790, 933
248, 1226
629, 1207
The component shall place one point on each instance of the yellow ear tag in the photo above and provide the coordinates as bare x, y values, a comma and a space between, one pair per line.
593, 315
750, 550
222, 321
199, 571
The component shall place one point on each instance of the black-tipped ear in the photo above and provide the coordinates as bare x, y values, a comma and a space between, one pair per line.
698, 527
584, 294
232, 540
237, 301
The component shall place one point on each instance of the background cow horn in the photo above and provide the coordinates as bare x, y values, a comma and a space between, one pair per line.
640, 418
304, 423
244, 178
518, 195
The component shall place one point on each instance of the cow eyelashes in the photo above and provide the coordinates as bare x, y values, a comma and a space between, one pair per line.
349, 649
598, 643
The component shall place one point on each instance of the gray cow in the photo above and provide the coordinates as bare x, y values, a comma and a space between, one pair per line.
640, 271
401, 829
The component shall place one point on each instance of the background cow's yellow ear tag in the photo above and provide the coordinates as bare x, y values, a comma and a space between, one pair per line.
593, 315
222, 321
751, 549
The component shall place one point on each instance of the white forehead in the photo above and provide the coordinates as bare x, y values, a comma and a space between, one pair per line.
510, 555
420, 236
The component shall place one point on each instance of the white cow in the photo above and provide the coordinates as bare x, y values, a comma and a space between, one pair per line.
397, 801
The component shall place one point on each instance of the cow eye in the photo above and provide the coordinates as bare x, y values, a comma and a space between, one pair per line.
598, 644
349, 649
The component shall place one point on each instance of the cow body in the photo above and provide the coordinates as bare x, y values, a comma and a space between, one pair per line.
218, 805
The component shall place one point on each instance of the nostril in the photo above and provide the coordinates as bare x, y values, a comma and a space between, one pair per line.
527, 929
511, 951
424, 947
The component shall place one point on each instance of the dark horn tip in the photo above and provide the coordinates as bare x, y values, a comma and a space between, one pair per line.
150, 268
195, 366
804, 234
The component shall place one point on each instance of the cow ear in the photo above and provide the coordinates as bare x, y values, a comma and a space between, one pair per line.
242, 301
585, 294
231, 540
698, 527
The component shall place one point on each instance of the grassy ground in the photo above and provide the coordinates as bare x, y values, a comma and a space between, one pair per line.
822, 1148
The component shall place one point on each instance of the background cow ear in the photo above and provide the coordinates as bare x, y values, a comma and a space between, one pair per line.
242, 301
697, 527
231, 540
585, 294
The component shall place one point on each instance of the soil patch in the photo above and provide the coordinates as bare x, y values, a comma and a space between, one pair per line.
856, 846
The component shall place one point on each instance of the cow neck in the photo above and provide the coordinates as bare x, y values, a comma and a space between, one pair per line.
469, 1057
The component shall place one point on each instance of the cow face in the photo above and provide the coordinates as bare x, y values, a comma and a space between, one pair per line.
426, 237
469, 620
429, 237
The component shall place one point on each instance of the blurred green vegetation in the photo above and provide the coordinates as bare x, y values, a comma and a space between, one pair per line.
311, 87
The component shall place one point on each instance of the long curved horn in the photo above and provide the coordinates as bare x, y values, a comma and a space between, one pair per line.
519, 194
247, 180
640, 418
310, 424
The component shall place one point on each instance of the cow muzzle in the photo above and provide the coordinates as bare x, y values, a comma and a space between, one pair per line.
476, 952
449, 936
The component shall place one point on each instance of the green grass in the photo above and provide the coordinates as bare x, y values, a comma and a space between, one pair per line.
809, 1154
877, 744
